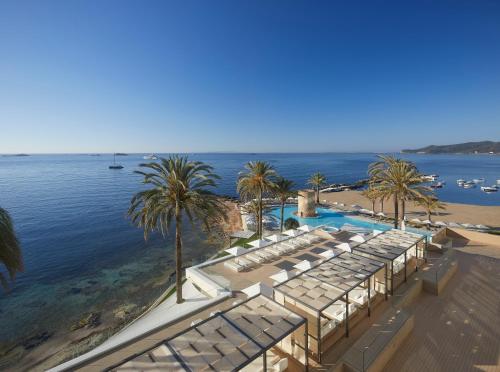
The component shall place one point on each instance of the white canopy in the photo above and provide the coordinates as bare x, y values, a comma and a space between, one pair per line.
260, 243
327, 254
358, 238
304, 265
236, 251
282, 276
258, 288
275, 238
345, 247
381, 214
482, 227
293, 232
306, 228
427, 222
468, 225
441, 223
453, 224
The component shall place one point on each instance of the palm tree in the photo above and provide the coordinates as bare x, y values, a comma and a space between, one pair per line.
317, 180
10, 250
283, 190
255, 182
178, 189
372, 195
398, 178
431, 204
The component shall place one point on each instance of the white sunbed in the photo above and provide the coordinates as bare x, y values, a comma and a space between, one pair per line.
231, 264
246, 263
267, 256
337, 310
274, 250
255, 257
359, 296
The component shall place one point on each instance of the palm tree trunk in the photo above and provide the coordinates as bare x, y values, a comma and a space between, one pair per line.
282, 215
178, 255
317, 194
403, 207
429, 215
382, 205
396, 211
373, 205
260, 214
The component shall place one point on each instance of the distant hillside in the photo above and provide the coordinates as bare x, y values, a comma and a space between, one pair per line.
483, 147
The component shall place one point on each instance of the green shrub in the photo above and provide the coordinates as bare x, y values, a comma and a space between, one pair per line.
291, 223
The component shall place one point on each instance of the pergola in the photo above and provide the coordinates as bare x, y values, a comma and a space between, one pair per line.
390, 246
229, 340
319, 292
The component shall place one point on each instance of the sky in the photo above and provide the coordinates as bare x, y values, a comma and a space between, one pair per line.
247, 76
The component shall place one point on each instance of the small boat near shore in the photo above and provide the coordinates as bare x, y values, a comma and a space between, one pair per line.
460, 182
489, 189
469, 185
478, 180
430, 177
437, 185
114, 165
150, 157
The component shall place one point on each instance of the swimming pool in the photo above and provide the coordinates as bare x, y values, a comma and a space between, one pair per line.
329, 217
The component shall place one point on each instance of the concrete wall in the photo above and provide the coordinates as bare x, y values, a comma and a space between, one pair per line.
476, 236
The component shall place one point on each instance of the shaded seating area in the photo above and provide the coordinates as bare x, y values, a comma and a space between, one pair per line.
253, 335
398, 250
332, 296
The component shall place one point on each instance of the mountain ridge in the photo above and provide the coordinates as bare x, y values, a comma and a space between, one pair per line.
481, 147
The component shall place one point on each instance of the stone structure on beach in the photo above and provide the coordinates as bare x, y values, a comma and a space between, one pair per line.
306, 204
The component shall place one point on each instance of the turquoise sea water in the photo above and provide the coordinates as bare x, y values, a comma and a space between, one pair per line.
82, 254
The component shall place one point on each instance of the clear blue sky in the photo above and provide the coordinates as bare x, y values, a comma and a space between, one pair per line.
165, 76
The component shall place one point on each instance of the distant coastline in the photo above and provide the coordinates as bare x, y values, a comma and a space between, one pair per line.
467, 148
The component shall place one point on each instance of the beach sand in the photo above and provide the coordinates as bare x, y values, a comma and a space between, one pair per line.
460, 213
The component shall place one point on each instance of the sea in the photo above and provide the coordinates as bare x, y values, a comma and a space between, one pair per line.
82, 254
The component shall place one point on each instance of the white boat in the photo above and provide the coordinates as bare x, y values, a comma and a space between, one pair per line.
150, 157
460, 181
489, 189
437, 185
469, 185
498, 182
430, 177
478, 180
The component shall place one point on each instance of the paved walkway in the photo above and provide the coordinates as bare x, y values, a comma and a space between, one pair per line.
459, 330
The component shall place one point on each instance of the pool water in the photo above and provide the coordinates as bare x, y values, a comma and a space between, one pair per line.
329, 217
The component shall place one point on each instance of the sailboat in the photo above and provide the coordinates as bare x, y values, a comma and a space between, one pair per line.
115, 166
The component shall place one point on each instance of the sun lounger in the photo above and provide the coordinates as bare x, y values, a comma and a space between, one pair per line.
264, 254
231, 264
337, 310
359, 296
246, 263
255, 258
274, 250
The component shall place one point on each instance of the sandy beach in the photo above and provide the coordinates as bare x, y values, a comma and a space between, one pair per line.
460, 213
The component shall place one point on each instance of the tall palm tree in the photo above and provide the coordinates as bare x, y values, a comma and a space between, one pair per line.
254, 183
10, 250
431, 204
372, 195
317, 180
178, 189
283, 190
398, 178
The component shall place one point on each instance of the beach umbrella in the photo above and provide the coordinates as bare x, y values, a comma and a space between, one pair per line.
345, 247
441, 223
482, 227
304, 265
381, 214
342, 204
453, 224
327, 254
236, 251
335, 203
415, 220
293, 232
260, 243
358, 238
468, 225
403, 224
258, 288
306, 228
282, 276
275, 238
356, 206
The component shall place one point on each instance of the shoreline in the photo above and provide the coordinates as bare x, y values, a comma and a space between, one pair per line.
45, 349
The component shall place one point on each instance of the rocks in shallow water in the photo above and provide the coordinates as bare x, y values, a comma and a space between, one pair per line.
124, 311
90, 320
36, 340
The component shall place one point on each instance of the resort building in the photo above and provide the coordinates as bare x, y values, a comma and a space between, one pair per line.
309, 298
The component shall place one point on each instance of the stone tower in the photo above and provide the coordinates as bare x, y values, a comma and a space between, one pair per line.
307, 204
